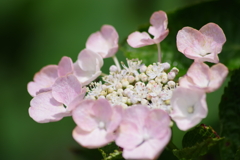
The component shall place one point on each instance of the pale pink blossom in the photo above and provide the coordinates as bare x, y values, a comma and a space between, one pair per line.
56, 92
143, 133
104, 42
45, 78
189, 107
204, 44
158, 29
201, 76
96, 122
53, 105
88, 66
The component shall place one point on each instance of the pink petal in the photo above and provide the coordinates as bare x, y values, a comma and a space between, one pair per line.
95, 139
149, 150
83, 116
137, 39
85, 77
44, 108
102, 110
199, 72
104, 42
75, 102
159, 26
136, 114
66, 89
89, 60
43, 79
218, 74
190, 42
157, 123
215, 35
129, 135
189, 107
65, 66
115, 119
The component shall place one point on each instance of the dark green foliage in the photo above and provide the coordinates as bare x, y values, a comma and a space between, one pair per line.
229, 113
197, 142
111, 152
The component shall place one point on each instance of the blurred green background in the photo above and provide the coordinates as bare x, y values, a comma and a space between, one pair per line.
35, 33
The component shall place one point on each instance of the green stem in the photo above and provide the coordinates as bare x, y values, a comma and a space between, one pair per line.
159, 53
116, 62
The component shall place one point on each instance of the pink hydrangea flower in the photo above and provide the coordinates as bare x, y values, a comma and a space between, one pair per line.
104, 42
189, 107
57, 103
203, 77
96, 122
158, 29
143, 133
204, 44
87, 67
45, 78
56, 92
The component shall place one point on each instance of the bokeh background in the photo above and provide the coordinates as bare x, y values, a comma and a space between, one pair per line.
35, 33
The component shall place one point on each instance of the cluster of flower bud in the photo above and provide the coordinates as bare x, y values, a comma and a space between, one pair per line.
137, 84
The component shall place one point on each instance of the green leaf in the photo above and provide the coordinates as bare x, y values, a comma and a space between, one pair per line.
229, 113
111, 152
237, 155
197, 142
195, 16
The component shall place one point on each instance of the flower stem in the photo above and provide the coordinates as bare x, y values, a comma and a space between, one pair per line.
116, 62
159, 53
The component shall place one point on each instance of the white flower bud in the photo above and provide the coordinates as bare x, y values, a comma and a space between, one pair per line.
130, 79
118, 86
113, 68
143, 77
171, 75
124, 99
174, 69
103, 93
143, 68
144, 102
110, 90
104, 87
124, 82
166, 65
120, 91
164, 77
158, 80
130, 86
149, 97
171, 84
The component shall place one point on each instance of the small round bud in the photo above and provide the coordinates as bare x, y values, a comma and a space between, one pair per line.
171, 75
164, 77
144, 102
118, 86
166, 65
110, 90
171, 84
113, 68
174, 69
130, 79
124, 99
125, 83
143, 68
143, 77
103, 93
